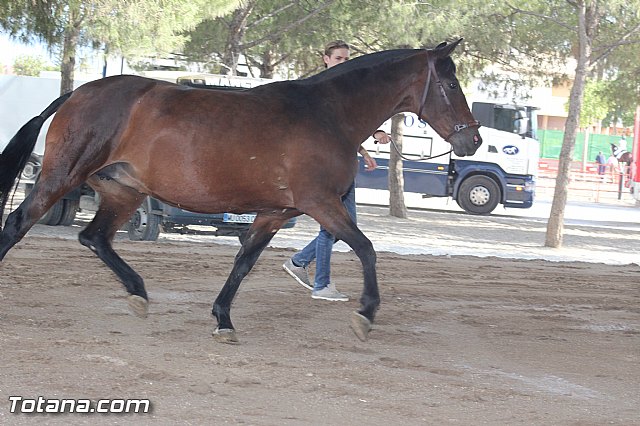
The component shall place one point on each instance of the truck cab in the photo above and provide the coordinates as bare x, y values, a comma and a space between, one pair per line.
502, 171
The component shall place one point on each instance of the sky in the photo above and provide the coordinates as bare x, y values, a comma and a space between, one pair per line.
11, 49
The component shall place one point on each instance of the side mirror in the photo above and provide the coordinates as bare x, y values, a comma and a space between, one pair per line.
520, 124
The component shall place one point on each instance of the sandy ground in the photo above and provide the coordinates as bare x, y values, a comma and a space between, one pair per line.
458, 339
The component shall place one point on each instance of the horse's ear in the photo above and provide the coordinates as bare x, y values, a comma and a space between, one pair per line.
443, 49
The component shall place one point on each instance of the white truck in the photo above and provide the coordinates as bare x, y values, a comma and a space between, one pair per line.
502, 171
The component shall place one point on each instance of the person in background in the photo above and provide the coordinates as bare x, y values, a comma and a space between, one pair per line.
601, 161
319, 249
612, 163
623, 143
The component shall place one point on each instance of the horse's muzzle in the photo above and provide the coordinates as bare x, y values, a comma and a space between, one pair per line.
466, 146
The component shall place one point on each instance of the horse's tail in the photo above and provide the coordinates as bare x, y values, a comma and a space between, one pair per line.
16, 154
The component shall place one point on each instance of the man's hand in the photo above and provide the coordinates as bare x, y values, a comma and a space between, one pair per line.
370, 163
381, 137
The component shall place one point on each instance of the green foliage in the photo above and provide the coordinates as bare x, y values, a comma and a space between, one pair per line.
28, 65
622, 86
595, 105
269, 33
528, 41
129, 27
294, 32
149, 27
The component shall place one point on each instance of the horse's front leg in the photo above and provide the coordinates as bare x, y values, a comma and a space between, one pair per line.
362, 320
335, 218
261, 232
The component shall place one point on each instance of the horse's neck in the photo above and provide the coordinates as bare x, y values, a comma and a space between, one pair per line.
383, 91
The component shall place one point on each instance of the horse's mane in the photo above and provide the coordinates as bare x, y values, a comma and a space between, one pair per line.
361, 62
349, 68
444, 66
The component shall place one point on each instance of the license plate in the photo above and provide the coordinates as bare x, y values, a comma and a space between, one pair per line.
238, 218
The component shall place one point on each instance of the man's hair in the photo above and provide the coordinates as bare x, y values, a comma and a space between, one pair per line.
336, 44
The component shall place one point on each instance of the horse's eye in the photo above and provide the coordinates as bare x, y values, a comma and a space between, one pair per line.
453, 85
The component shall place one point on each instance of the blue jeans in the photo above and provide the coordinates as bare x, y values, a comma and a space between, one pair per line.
320, 247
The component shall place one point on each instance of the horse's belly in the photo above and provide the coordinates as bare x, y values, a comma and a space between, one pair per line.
217, 192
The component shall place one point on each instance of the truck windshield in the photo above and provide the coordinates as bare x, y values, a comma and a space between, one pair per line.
507, 118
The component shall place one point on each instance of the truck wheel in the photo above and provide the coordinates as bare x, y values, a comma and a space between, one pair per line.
54, 215
478, 195
69, 212
144, 225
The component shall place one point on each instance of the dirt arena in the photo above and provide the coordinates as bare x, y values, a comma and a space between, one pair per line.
458, 340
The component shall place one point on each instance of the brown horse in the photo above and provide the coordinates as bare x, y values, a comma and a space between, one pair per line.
281, 150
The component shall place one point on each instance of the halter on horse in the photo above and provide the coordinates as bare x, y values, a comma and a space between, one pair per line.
281, 150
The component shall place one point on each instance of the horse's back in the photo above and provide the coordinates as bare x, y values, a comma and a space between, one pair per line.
104, 103
181, 144
193, 147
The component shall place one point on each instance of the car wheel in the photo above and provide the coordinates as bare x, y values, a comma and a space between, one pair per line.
478, 194
54, 215
69, 212
144, 225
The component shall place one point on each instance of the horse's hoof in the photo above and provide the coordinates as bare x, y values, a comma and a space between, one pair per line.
360, 325
138, 305
225, 335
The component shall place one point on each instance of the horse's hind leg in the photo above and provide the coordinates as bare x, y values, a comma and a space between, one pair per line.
117, 204
44, 195
335, 219
17, 225
259, 235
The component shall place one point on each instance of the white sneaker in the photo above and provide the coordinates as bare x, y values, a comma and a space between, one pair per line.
329, 293
299, 273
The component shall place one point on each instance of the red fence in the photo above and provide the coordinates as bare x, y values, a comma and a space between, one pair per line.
587, 185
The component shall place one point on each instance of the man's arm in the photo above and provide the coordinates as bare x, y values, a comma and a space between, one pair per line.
380, 136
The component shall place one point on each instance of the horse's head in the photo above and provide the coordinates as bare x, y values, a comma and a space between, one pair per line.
444, 106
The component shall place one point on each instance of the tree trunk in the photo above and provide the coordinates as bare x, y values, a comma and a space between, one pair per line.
397, 207
586, 26
237, 30
267, 66
69, 46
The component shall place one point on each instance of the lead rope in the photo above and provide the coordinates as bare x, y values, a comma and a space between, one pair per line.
395, 147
